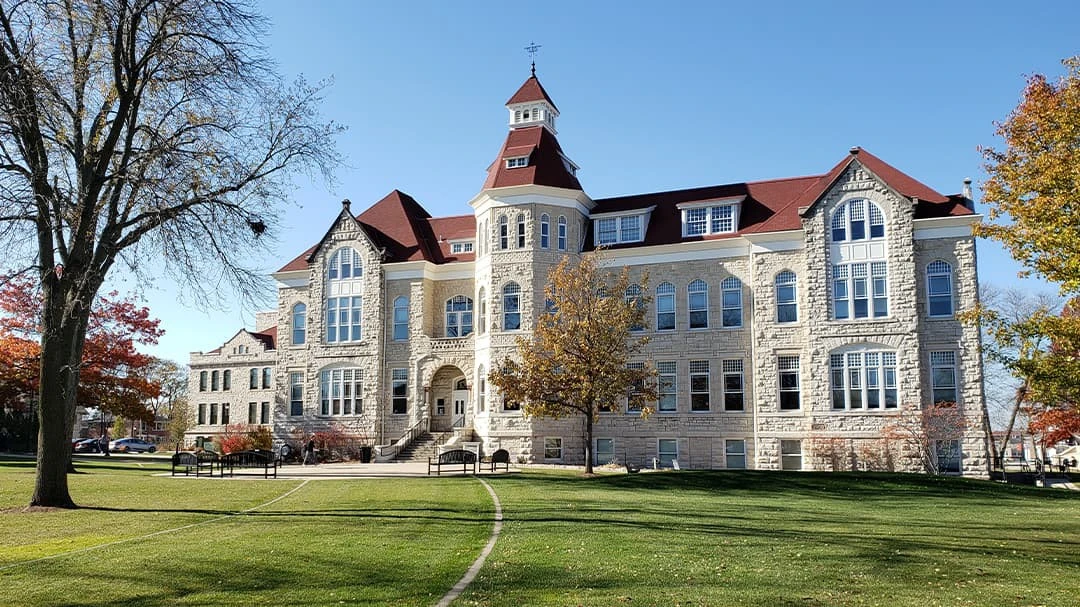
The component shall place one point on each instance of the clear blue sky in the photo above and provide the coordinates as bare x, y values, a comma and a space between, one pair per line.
654, 96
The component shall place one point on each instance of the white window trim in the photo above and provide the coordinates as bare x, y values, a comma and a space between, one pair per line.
864, 380
560, 448
952, 290
690, 310
517, 162
660, 455
732, 201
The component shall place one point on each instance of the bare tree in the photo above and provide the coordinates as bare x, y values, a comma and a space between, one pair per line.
926, 431
155, 133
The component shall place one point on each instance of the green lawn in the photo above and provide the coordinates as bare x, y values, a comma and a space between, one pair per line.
689, 538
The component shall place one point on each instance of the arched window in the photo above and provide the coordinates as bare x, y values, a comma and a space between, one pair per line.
697, 299
511, 307
562, 233
253, 379
341, 391
481, 389
939, 289
665, 307
857, 218
299, 324
504, 234
731, 294
521, 230
458, 316
863, 379
401, 318
545, 231
345, 263
482, 324
634, 298
787, 308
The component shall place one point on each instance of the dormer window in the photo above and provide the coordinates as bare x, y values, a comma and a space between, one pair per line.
514, 163
711, 217
625, 226
461, 247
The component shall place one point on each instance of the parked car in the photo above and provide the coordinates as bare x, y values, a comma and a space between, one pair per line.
88, 445
131, 445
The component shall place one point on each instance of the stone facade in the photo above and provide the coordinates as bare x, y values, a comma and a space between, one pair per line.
729, 381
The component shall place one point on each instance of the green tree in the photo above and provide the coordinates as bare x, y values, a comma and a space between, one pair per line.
575, 363
134, 130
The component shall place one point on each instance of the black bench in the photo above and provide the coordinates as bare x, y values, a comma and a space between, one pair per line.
455, 457
199, 463
501, 456
250, 460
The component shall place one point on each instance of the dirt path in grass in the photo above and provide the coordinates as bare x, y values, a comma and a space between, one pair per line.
157, 533
467, 579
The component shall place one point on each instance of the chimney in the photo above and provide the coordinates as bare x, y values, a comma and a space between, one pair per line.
969, 201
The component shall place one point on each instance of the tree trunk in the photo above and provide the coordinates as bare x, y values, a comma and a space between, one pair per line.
1021, 394
588, 443
61, 353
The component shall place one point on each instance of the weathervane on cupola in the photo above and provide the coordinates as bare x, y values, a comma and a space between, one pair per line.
532, 49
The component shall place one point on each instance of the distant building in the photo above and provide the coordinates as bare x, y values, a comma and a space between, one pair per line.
784, 312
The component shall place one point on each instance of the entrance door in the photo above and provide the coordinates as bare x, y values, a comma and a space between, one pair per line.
461, 396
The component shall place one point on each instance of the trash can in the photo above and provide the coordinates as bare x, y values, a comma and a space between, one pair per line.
365, 454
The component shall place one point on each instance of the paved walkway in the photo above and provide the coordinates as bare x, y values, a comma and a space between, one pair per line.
354, 470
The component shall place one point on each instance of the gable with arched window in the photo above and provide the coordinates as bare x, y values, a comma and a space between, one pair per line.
344, 303
857, 219
859, 273
459, 316
344, 264
939, 289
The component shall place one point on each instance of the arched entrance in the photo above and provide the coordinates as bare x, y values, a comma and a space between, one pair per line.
449, 399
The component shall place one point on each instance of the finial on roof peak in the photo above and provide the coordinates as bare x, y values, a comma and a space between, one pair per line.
346, 203
855, 150
532, 49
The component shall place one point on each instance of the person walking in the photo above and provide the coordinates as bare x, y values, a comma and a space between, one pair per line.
309, 451
103, 444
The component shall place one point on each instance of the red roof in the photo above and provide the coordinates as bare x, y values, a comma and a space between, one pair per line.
532, 90
398, 224
547, 163
267, 336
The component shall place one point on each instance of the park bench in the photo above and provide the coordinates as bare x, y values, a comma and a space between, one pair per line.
250, 460
199, 463
501, 456
455, 457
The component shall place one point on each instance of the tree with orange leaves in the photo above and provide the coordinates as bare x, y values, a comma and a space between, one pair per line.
576, 362
114, 375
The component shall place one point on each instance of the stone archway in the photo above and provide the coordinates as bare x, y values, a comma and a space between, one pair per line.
449, 399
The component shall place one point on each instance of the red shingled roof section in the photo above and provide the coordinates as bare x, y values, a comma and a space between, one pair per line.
459, 227
399, 224
531, 90
545, 166
267, 336
300, 263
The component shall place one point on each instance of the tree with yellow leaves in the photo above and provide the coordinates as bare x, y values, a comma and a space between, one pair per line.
578, 360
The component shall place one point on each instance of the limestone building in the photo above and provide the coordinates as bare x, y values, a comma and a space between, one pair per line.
787, 315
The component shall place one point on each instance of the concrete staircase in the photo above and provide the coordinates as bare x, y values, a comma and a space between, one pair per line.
423, 448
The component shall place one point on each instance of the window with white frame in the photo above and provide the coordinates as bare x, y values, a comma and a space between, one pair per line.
482, 319
863, 380
504, 233
633, 296
461, 247
605, 451
665, 307
667, 384
299, 324
697, 300
517, 162
699, 385
344, 264
735, 454
545, 231
718, 219
521, 231
344, 319
733, 385
607, 231
553, 447
562, 233
341, 392
401, 318
667, 451
855, 219
511, 307
296, 393
788, 370
636, 389
939, 289
787, 307
399, 391
860, 290
943, 377
731, 296
459, 316
481, 389
614, 230
791, 455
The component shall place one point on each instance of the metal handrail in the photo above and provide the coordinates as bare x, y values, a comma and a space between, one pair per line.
414, 432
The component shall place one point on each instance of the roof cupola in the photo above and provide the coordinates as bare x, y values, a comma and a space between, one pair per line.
531, 106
